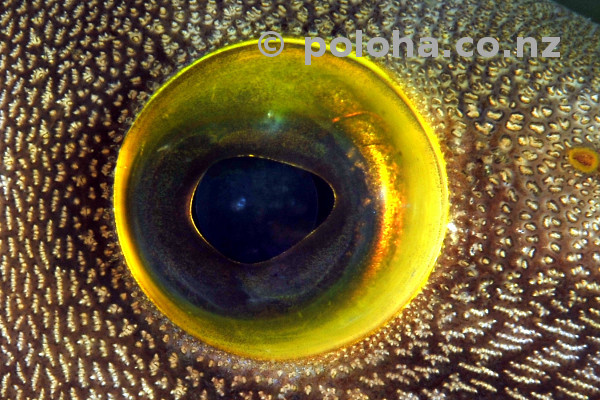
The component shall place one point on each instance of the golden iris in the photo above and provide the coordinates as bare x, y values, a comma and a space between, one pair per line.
346, 278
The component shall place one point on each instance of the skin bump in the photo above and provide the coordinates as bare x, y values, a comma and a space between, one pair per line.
584, 159
511, 310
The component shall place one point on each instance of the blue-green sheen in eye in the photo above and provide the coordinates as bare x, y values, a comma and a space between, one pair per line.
253, 209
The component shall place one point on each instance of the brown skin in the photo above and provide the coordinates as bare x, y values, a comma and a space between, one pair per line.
512, 307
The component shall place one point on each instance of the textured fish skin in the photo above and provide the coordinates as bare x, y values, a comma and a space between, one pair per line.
512, 309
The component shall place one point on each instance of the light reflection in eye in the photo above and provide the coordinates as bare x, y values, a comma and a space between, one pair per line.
346, 278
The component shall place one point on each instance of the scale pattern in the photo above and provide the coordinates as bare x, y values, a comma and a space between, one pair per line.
512, 309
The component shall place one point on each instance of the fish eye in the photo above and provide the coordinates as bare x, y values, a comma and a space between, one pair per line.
277, 210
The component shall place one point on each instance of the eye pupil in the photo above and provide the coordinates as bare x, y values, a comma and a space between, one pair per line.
253, 209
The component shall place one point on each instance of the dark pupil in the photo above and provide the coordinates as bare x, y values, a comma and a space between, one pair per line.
253, 209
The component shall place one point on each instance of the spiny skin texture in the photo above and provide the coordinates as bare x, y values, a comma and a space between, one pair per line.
512, 309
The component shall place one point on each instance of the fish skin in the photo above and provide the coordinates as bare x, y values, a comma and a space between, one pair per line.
512, 309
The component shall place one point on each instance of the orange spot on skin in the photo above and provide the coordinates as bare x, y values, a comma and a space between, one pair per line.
584, 159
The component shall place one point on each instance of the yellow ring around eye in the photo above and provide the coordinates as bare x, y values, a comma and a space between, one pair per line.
349, 94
